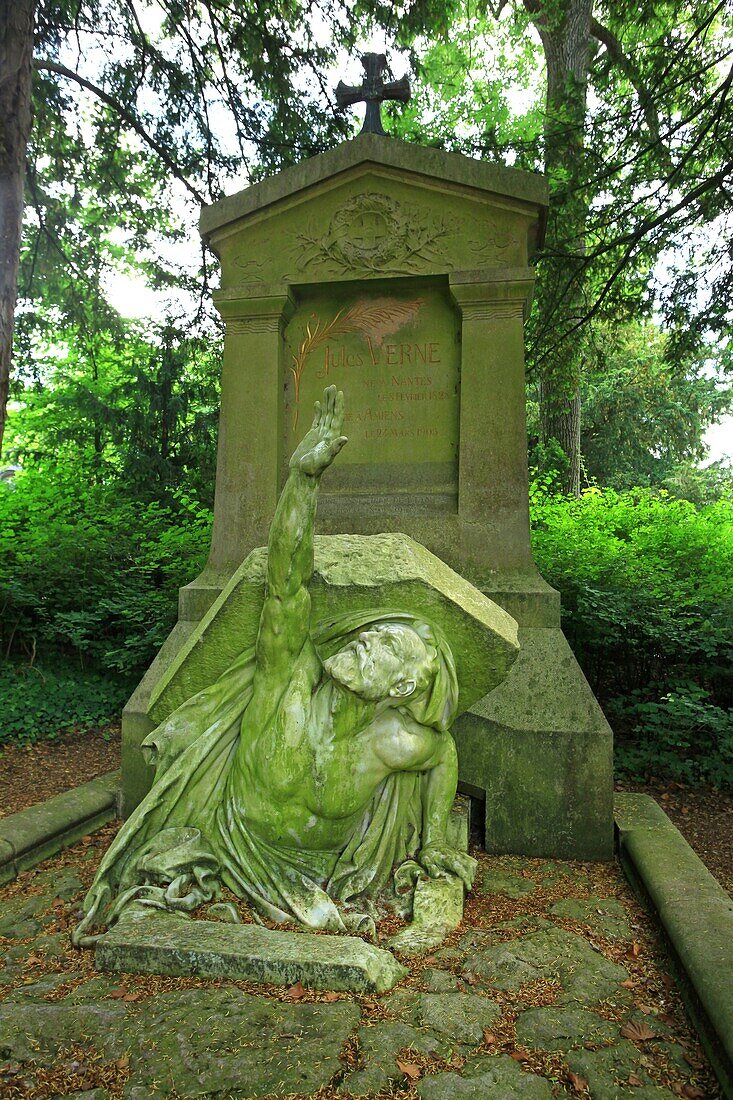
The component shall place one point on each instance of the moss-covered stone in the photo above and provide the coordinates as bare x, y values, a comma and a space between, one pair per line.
497, 1076
506, 884
460, 1016
562, 1028
162, 943
380, 1045
352, 573
607, 1072
585, 975
606, 916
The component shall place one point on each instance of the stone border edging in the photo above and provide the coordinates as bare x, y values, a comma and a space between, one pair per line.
695, 912
40, 831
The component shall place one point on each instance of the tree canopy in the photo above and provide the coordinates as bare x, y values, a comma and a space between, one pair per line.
625, 110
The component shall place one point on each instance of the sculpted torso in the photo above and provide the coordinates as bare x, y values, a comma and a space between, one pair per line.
309, 767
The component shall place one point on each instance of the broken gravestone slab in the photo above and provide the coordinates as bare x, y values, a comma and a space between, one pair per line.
164, 943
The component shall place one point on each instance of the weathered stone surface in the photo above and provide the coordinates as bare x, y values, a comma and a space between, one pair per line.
352, 573
585, 975
222, 1042
439, 981
606, 916
506, 884
380, 1045
437, 909
607, 1073
35, 1032
543, 731
460, 1016
497, 1076
36, 991
40, 831
20, 918
162, 943
195, 1042
694, 909
558, 1028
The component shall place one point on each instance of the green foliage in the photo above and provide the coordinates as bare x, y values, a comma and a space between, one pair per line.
90, 575
682, 735
648, 610
122, 408
37, 704
644, 415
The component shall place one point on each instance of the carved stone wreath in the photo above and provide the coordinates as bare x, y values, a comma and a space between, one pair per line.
372, 233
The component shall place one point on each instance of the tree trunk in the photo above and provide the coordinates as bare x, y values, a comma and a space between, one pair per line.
564, 27
16, 53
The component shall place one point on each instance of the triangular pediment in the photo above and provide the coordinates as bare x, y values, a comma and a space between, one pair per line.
376, 207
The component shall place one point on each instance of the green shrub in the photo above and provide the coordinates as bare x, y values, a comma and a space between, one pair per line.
36, 704
89, 580
647, 600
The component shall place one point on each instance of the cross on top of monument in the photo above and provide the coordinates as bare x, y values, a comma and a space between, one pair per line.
373, 92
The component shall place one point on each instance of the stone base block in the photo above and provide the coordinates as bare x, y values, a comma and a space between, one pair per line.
539, 751
163, 943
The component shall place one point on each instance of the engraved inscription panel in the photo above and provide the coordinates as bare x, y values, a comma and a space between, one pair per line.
396, 357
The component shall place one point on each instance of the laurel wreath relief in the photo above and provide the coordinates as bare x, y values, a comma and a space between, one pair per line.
375, 318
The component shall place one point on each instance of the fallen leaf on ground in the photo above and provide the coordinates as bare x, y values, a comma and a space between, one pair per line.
519, 1056
489, 1036
692, 1092
330, 997
634, 951
637, 1031
123, 1062
118, 994
410, 1069
692, 1061
635, 1081
579, 1083
629, 983
132, 997
295, 992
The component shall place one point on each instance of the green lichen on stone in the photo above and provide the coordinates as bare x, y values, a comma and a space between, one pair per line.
460, 1016
562, 1028
380, 1046
586, 976
506, 884
606, 916
607, 1072
497, 1076
161, 943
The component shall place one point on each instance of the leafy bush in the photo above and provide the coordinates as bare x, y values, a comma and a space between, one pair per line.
41, 705
648, 610
87, 576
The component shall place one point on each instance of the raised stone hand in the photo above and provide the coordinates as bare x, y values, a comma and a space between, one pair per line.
322, 443
440, 860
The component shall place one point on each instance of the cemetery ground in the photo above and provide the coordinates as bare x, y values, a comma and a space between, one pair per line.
556, 983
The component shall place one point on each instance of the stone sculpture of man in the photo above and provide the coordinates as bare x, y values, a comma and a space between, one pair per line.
298, 782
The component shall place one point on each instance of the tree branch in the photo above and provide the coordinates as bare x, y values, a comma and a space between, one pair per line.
126, 116
626, 65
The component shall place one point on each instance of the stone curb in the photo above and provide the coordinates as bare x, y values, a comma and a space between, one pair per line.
695, 912
41, 831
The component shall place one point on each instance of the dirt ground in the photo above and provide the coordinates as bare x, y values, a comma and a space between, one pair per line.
703, 815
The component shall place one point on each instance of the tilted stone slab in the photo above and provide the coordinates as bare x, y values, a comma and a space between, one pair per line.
353, 573
163, 943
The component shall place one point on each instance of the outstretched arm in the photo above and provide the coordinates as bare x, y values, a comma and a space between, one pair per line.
285, 619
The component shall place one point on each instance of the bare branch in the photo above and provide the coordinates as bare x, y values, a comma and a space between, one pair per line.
126, 116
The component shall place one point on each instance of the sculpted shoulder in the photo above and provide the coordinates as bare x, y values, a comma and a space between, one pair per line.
401, 743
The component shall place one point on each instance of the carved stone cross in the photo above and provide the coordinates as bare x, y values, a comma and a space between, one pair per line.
373, 92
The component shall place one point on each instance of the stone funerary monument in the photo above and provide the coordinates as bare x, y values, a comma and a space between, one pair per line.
402, 275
